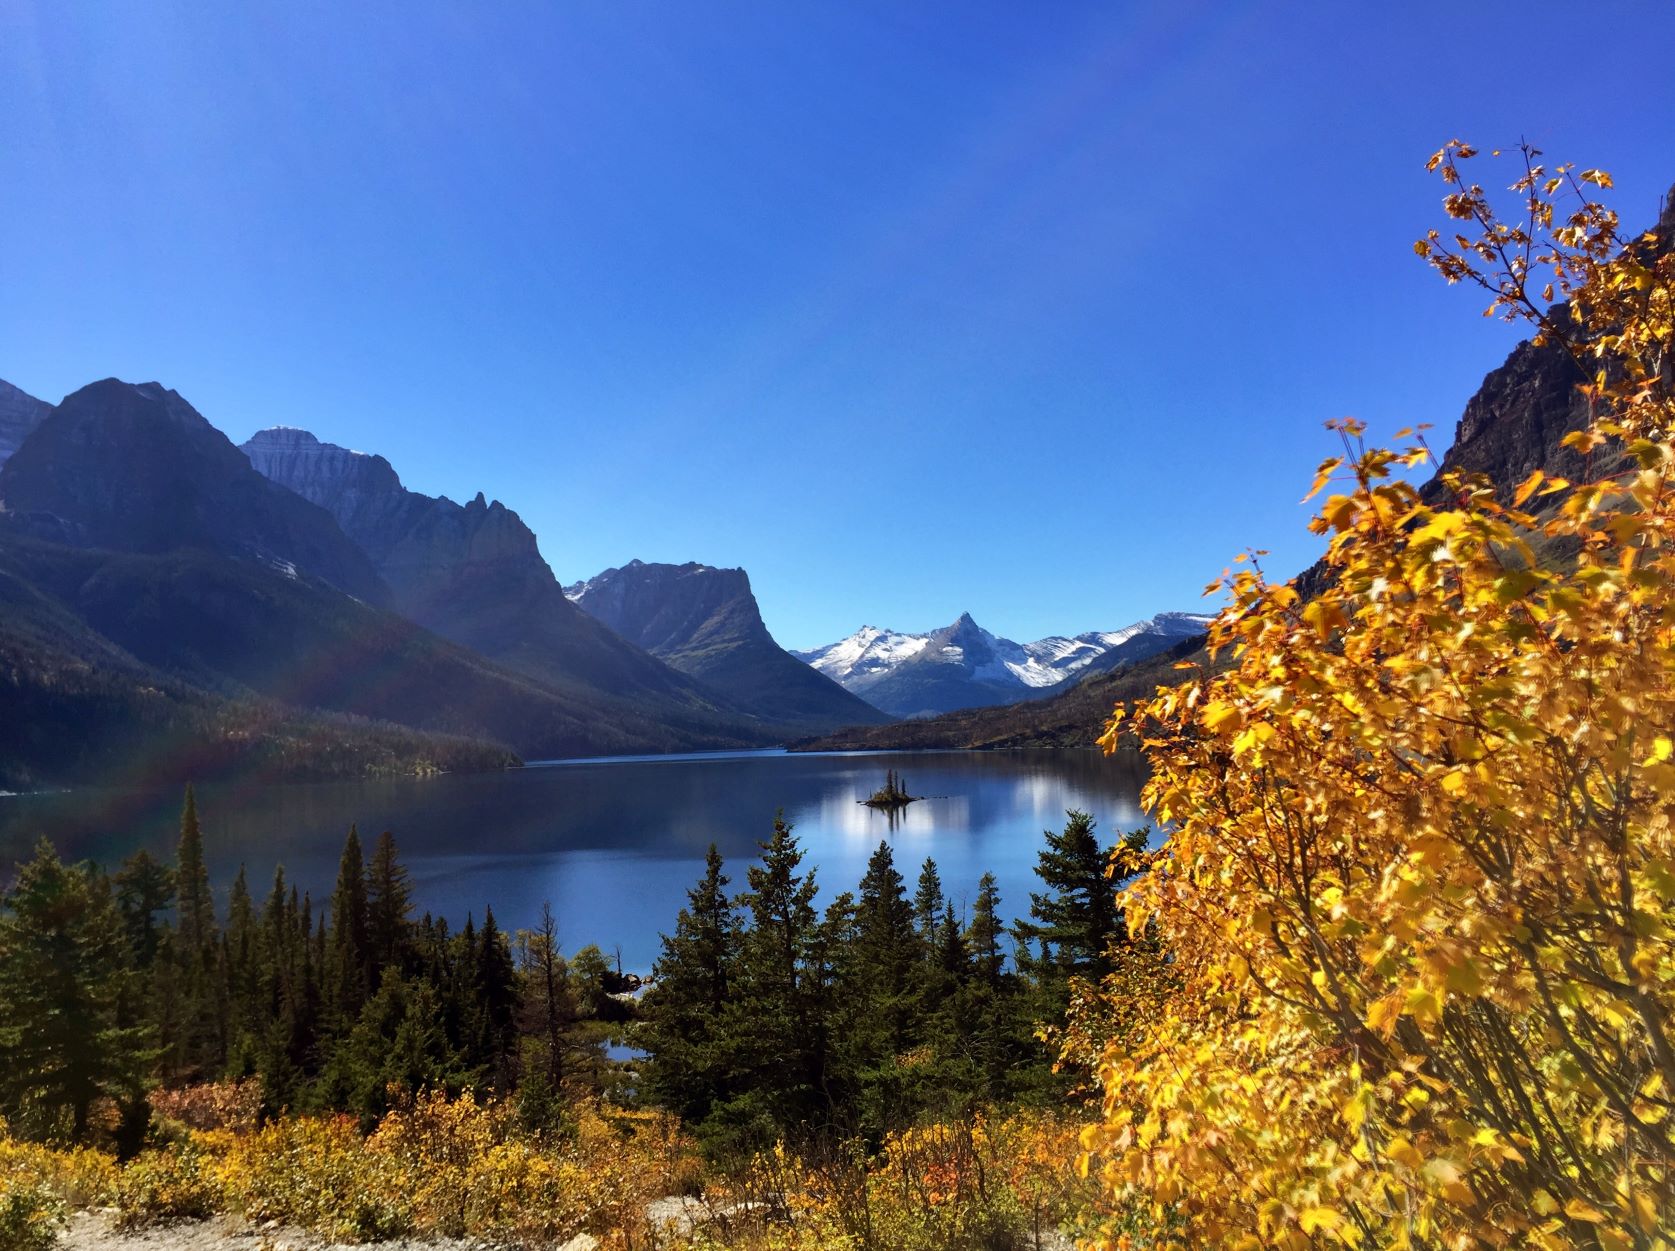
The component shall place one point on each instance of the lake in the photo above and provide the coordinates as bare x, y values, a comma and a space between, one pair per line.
613, 844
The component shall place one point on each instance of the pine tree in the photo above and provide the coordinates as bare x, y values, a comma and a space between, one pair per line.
887, 952
201, 1044
144, 892
497, 990
1076, 919
243, 960
774, 1021
886, 997
927, 902
63, 1044
547, 1014
983, 937
690, 1065
349, 957
389, 908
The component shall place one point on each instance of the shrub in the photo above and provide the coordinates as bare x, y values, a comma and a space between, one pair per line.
232, 1105
179, 1182
82, 1177
31, 1215
317, 1172
1419, 894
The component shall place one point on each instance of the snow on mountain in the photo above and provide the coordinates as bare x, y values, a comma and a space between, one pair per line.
964, 665
868, 650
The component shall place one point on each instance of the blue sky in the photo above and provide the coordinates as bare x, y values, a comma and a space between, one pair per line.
910, 309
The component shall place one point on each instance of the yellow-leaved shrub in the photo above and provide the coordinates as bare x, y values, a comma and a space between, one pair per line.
1417, 895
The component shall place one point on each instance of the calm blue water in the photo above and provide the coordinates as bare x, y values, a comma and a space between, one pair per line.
613, 844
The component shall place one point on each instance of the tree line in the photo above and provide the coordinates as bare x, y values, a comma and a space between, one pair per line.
768, 1019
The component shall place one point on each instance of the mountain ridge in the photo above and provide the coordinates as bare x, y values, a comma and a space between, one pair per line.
705, 621
474, 574
963, 665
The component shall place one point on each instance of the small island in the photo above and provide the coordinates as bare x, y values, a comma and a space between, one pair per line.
892, 795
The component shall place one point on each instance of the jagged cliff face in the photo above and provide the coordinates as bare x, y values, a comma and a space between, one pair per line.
471, 572
668, 609
423, 546
706, 622
1517, 420
134, 468
20, 414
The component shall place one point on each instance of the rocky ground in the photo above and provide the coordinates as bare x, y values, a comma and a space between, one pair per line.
95, 1231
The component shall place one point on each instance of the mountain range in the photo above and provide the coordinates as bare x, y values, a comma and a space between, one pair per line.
172, 606
964, 666
187, 612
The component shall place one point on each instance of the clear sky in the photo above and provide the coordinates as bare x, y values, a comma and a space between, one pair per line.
1028, 310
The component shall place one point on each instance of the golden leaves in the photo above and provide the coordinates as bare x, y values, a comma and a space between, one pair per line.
1419, 896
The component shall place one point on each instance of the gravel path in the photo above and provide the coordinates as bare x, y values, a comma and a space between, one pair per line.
94, 1231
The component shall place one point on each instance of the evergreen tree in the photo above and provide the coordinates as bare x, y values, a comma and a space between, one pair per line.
63, 1044
547, 1014
397, 1044
144, 892
881, 998
690, 1066
888, 953
200, 1045
497, 992
243, 961
775, 1018
389, 908
1076, 919
983, 937
927, 902
349, 956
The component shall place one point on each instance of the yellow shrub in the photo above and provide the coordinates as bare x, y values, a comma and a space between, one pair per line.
30, 1214
81, 1177
316, 1172
1419, 893
179, 1182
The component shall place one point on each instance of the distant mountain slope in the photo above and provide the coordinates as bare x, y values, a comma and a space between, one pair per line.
706, 622
242, 630
20, 413
135, 468
1073, 717
157, 548
965, 666
473, 573
78, 708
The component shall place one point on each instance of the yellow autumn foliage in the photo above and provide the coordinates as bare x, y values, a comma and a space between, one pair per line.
1419, 889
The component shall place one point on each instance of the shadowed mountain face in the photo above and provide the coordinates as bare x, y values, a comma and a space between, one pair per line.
473, 573
135, 468
20, 414
187, 612
706, 622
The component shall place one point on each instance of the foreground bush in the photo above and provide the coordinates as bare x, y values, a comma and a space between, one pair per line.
436, 1167
180, 1182
1420, 891
30, 1214
983, 1185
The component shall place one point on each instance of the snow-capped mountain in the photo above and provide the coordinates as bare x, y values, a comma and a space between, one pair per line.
965, 666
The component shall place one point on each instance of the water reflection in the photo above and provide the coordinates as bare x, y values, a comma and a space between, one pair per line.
614, 845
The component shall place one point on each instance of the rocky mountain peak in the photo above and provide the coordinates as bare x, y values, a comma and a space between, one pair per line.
133, 467
20, 414
705, 621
